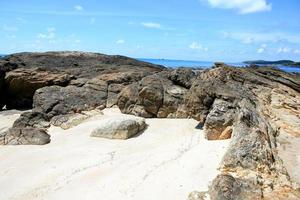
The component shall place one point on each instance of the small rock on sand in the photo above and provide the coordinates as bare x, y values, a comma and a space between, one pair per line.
119, 127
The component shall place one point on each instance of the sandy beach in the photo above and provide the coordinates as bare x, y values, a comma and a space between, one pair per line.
168, 160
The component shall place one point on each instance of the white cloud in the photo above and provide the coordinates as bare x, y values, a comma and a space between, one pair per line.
252, 37
198, 46
78, 8
151, 25
77, 41
10, 28
120, 42
296, 51
283, 50
243, 6
50, 34
260, 50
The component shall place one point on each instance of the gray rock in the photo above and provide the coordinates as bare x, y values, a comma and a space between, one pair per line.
70, 120
24, 136
219, 118
32, 119
22, 83
226, 187
119, 127
56, 100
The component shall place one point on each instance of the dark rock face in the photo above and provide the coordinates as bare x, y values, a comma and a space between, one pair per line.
32, 119
220, 117
228, 102
22, 83
23, 73
79, 64
226, 187
153, 96
24, 136
56, 100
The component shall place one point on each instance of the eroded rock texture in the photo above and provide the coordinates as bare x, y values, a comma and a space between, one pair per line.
24, 136
119, 127
249, 105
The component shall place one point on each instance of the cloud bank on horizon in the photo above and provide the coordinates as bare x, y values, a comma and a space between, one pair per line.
229, 30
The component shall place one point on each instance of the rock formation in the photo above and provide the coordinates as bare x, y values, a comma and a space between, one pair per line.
119, 127
249, 105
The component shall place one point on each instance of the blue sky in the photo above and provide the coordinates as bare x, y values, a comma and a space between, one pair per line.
210, 30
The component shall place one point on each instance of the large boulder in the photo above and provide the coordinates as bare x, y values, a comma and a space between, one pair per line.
24, 136
153, 96
32, 119
182, 77
56, 100
119, 127
219, 120
80, 64
22, 83
227, 187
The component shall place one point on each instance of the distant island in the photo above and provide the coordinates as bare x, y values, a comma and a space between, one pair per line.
278, 62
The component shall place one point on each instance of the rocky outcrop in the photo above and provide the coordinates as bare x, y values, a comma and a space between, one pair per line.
71, 120
119, 127
24, 136
226, 187
32, 119
153, 96
219, 120
249, 105
23, 73
22, 83
79, 64
228, 103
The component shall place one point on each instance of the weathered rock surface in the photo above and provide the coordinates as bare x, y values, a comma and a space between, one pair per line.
24, 136
78, 64
250, 105
153, 96
56, 100
22, 83
32, 119
71, 120
24, 73
119, 127
226, 187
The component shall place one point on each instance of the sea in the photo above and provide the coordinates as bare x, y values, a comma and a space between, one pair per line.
206, 64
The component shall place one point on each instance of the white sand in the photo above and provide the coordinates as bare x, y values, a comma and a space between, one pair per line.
169, 160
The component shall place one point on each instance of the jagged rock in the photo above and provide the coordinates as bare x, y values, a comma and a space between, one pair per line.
22, 83
182, 77
195, 195
226, 187
70, 120
119, 127
112, 94
172, 100
2, 100
153, 96
32, 119
219, 64
24, 136
56, 100
219, 118
80, 64
253, 139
